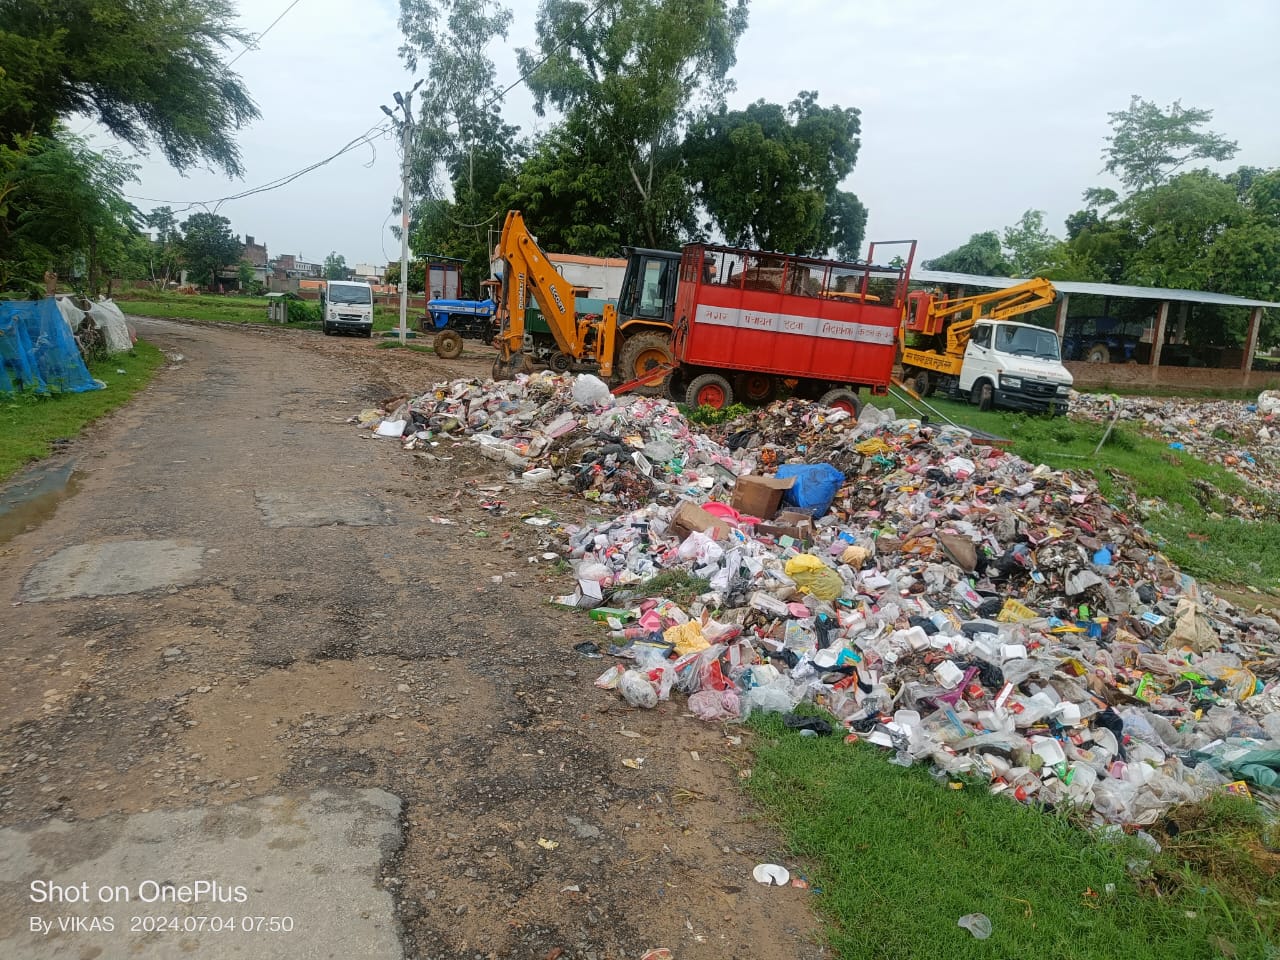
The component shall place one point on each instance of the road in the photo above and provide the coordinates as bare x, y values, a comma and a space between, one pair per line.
243, 650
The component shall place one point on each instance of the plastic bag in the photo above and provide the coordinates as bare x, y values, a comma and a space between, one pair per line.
637, 690
715, 705
780, 697
816, 486
590, 391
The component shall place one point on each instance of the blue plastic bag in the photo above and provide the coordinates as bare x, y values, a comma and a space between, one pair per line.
816, 486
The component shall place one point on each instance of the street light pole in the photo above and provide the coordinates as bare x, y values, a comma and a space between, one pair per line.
404, 221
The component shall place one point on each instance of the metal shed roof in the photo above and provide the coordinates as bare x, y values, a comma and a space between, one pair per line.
1097, 289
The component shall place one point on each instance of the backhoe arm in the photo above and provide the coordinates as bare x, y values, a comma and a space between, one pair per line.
527, 271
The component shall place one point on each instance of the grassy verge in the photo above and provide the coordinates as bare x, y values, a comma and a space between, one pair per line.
1189, 503
234, 309
30, 424
899, 859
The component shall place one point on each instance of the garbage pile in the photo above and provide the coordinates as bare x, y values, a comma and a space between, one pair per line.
550, 427
941, 599
1243, 437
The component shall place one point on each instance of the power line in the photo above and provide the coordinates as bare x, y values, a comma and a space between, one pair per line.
258, 38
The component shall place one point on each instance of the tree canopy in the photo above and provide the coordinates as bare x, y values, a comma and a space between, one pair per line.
768, 176
207, 246
335, 266
148, 70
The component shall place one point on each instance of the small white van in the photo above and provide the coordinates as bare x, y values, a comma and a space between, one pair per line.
347, 305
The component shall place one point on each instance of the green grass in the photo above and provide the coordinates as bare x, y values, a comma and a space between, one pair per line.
900, 858
1189, 501
30, 424
233, 309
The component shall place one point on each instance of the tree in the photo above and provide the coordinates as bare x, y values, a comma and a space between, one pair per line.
450, 38
1029, 245
163, 255
768, 176
61, 209
207, 246
1147, 145
981, 255
1175, 224
335, 266
417, 275
628, 75
148, 70
244, 273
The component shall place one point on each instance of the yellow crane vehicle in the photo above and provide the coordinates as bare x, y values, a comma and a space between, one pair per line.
970, 348
622, 341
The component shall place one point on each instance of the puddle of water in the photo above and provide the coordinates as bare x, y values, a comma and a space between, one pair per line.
34, 498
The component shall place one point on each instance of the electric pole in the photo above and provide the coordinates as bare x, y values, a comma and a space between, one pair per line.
404, 102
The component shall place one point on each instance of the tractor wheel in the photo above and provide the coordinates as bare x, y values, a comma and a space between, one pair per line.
448, 345
842, 398
560, 362
986, 395
755, 388
640, 354
1098, 353
709, 390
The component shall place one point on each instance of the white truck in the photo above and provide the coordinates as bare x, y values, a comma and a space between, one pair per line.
347, 305
969, 349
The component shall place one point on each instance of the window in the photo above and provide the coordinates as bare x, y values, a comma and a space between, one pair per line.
1027, 342
981, 335
349, 293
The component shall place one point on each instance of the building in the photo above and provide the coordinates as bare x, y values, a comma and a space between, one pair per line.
368, 272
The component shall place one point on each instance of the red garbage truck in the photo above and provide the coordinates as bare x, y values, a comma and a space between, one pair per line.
747, 322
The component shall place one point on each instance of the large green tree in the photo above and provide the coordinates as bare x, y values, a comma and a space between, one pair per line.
148, 70
207, 246
1147, 144
768, 175
629, 75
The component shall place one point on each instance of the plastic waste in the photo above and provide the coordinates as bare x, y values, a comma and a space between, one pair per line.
637, 690
591, 391
815, 488
979, 924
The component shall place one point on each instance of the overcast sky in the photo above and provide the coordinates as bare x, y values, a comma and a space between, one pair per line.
971, 112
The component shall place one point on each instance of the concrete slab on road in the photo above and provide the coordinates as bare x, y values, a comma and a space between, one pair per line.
314, 858
113, 568
321, 508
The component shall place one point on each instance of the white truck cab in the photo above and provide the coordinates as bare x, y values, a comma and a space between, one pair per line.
1017, 365
347, 305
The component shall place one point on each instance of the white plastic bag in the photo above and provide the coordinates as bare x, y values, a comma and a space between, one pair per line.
591, 391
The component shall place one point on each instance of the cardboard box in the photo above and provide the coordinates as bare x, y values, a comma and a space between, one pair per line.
759, 496
690, 517
788, 523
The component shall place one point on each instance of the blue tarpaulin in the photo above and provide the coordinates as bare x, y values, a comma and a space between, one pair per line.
38, 353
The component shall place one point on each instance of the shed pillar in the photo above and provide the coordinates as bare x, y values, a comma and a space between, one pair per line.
1060, 322
1251, 341
1157, 338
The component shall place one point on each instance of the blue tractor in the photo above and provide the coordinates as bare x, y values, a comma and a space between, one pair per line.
451, 320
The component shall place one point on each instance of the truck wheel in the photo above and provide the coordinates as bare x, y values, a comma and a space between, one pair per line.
325, 327
842, 398
709, 390
448, 345
986, 395
1098, 353
756, 388
922, 383
642, 353
560, 362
